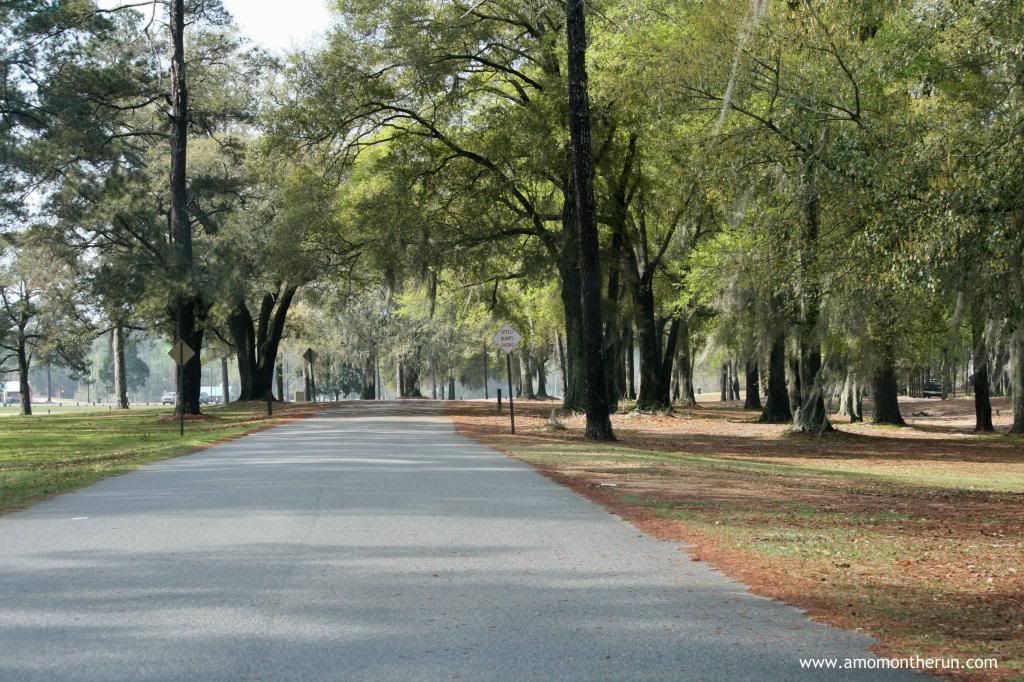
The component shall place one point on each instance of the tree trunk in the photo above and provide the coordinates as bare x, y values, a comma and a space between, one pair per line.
630, 366
599, 425
612, 339
573, 378
451, 385
667, 361
649, 343
777, 408
1017, 378
526, 375
724, 381
812, 416
410, 379
850, 399
23, 367
542, 378
753, 397
225, 384
982, 388
257, 342
189, 308
433, 378
120, 379
369, 391
885, 388
561, 364
280, 385
685, 362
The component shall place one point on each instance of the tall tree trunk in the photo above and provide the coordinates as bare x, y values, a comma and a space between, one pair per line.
257, 342
369, 391
685, 363
753, 397
189, 308
724, 382
542, 378
451, 384
850, 404
734, 382
573, 375
599, 425
561, 364
410, 379
885, 388
649, 343
982, 388
667, 361
23, 367
735, 364
225, 384
280, 384
120, 378
1017, 378
612, 339
526, 374
812, 417
630, 366
777, 408
433, 378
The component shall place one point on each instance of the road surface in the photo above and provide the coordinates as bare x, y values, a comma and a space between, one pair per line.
371, 543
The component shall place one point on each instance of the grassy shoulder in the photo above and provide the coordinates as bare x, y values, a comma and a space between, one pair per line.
48, 454
915, 535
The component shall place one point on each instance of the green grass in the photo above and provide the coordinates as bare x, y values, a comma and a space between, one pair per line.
48, 454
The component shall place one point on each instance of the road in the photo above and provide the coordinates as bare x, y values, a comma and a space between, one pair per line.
371, 543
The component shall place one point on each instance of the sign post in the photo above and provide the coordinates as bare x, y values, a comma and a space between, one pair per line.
508, 339
181, 353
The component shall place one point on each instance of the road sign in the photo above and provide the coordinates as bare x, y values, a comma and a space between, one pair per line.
507, 339
181, 353
309, 356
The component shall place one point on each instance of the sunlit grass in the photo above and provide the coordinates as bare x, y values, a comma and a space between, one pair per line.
47, 454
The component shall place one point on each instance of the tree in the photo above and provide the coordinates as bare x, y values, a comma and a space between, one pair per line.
41, 314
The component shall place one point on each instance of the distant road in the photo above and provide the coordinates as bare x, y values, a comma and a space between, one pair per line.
372, 543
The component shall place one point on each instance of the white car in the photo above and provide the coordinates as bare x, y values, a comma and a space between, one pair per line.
169, 398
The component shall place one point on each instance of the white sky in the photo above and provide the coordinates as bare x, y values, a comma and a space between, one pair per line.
280, 26
275, 25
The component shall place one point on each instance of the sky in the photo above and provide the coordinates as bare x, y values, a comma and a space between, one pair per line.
275, 25
280, 26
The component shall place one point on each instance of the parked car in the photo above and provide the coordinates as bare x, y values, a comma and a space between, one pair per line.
169, 398
932, 389
12, 398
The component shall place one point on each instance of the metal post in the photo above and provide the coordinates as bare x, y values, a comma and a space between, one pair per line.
181, 398
499, 401
511, 408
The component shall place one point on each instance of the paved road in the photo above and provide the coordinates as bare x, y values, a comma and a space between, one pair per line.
372, 543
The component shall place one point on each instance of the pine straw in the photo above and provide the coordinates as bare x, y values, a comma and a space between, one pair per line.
914, 535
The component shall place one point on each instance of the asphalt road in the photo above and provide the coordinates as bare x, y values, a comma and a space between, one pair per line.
372, 543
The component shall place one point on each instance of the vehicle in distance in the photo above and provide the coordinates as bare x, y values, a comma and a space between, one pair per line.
932, 389
169, 398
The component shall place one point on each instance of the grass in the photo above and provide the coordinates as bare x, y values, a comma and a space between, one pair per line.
48, 454
915, 535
